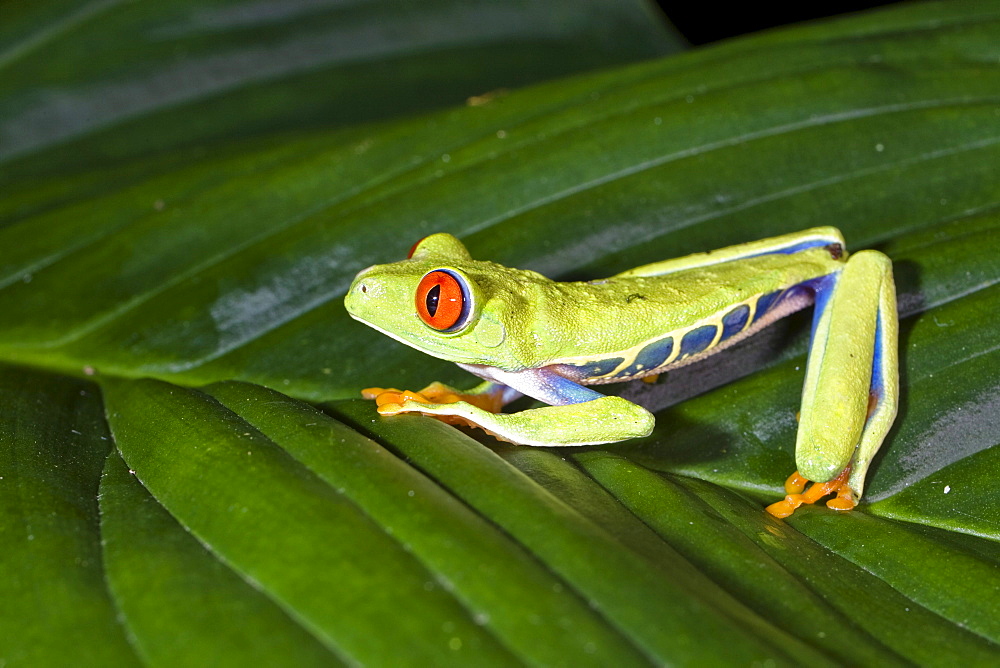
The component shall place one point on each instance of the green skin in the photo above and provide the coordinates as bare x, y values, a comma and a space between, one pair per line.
526, 334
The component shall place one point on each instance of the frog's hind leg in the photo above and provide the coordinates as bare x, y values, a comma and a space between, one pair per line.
851, 388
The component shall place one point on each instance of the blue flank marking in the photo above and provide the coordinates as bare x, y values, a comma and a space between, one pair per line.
766, 302
601, 368
798, 248
823, 288
734, 321
878, 380
650, 357
697, 340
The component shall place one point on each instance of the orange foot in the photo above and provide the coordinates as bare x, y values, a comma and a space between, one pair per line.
389, 400
796, 496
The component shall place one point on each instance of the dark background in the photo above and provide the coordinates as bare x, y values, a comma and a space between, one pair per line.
707, 22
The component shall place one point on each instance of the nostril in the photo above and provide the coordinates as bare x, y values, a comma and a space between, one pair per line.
364, 288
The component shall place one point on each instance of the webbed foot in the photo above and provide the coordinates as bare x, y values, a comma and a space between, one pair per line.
797, 494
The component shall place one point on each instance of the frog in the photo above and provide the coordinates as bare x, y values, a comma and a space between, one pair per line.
522, 334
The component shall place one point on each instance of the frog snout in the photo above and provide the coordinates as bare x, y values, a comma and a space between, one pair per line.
359, 293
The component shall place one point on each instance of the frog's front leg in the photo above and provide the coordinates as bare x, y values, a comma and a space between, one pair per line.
577, 416
852, 384
488, 396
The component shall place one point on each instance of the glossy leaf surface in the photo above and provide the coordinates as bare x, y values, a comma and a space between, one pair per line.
162, 266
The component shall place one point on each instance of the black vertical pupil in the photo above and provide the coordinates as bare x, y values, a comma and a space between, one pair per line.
433, 296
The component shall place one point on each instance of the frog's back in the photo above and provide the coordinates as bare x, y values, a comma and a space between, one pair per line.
646, 324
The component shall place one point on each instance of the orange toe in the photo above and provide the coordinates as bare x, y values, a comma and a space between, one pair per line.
797, 494
796, 483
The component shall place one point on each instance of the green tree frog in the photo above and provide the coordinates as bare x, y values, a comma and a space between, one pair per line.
525, 334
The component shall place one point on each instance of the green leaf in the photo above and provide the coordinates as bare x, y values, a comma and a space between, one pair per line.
56, 609
124, 80
173, 591
673, 618
173, 255
493, 576
280, 526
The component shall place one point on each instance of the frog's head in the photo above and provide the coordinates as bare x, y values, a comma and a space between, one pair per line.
439, 301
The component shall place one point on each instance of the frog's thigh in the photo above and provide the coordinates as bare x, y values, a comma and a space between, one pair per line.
850, 394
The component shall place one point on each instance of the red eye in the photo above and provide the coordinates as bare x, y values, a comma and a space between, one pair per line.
441, 300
